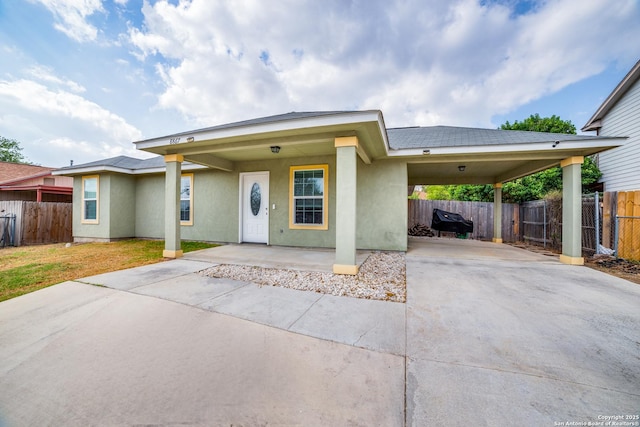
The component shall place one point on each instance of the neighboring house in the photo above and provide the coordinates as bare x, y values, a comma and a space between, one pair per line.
316, 179
33, 183
619, 114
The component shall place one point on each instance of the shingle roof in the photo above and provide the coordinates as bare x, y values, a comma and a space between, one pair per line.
10, 172
121, 162
263, 120
447, 136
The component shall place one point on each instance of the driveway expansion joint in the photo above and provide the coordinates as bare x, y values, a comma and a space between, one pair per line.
305, 312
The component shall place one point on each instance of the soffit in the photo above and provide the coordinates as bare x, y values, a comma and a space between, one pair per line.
486, 167
301, 136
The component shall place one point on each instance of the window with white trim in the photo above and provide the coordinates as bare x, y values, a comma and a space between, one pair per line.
90, 199
308, 197
186, 199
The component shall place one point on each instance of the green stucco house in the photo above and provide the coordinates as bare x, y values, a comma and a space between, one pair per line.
315, 179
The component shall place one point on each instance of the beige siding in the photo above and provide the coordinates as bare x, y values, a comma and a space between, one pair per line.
621, 166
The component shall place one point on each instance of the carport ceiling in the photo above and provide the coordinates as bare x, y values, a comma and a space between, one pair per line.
474, 171
436, 155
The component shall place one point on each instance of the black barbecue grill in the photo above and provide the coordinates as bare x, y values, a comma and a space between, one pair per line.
449, 221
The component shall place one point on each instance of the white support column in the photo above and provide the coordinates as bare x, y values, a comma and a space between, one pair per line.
172, 247
497, 213
572, 211
346, 176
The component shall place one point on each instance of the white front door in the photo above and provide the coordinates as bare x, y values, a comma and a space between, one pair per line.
254, 207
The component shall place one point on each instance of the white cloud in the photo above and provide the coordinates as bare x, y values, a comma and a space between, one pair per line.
34, 96
56, 125
432, 62
45, 74
71, 17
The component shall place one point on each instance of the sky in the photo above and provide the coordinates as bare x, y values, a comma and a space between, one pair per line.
82, 79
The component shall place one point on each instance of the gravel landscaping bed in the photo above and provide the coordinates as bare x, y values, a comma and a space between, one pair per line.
382, 277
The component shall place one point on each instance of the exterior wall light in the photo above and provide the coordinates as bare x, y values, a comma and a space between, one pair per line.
275, 149
461, 168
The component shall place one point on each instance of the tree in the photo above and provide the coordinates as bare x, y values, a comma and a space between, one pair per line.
536, 123
537, 185
438, 192
10, 151
472, 193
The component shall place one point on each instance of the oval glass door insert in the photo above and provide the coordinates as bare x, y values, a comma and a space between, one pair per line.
255, 199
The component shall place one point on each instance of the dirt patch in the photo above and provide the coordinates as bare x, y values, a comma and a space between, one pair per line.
624, 269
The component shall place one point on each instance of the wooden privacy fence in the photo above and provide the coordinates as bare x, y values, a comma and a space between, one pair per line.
611, 221
40, 222
621, 228
481, 213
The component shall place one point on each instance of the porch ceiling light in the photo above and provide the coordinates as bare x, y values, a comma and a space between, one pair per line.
461, 168
275, 149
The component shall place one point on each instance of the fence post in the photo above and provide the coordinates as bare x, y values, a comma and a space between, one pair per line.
13, 230
544, 223
597, 218
615, 238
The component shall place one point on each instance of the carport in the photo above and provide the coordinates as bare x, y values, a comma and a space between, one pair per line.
443, 155
361, 167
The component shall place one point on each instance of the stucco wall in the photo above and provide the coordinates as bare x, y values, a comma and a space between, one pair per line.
382, 206
122, 206
279, 232
82, 231
215, 207
149, 219
134, 205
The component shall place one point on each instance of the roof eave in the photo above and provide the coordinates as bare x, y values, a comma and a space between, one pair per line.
625, 84
113, 169
255, 129
593, 144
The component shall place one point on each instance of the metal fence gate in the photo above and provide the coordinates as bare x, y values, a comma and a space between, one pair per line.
542, 223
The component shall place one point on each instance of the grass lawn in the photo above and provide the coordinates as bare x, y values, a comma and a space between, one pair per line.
28, 268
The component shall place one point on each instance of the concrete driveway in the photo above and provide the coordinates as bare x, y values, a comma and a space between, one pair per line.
500, 336
490, 335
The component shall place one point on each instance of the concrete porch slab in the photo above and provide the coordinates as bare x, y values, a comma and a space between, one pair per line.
285, 257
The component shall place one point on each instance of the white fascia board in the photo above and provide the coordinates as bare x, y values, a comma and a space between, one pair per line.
255, 129
511, 148
383, 131
92, 170
99, 169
